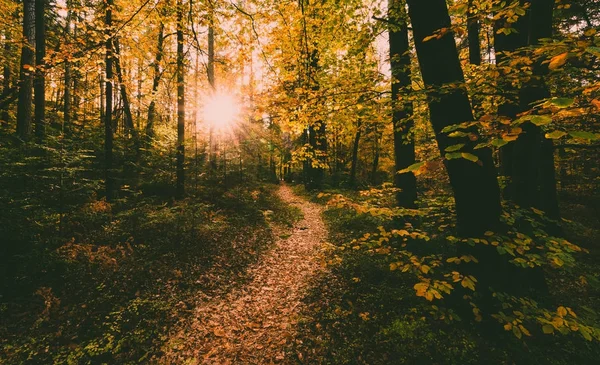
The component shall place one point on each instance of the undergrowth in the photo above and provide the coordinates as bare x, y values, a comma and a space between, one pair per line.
107, 287
363, 312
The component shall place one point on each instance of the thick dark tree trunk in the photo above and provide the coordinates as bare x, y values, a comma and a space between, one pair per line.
24, 104
509, 108
180, 185
39, 83
533, 170
475, 185
155, 81
108, 129
404, 143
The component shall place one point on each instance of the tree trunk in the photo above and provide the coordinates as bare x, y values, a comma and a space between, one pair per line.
180, 185
355, 154
504, 44
24, 116
533, 171
39, 84
375, 164
475, 187
6, 74
155, 81
67, 128
317, 138
473, 29
129, 127
108, 129
404, 143
212, 145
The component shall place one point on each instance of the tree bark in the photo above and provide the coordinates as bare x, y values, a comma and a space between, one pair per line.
39, 84
354, 164
475, 187
404, 143
473, 29
210, 70
155, 81
317, 139
375, 164
67, 128
180, 185
24, 106
533, 168
108, 129
6, 74
129, 126
505, 44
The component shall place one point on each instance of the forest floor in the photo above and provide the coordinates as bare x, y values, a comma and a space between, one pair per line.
256, 321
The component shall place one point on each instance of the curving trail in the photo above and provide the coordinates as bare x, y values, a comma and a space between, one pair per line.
255, 322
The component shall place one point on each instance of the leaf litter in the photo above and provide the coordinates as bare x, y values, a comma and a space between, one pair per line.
254, 323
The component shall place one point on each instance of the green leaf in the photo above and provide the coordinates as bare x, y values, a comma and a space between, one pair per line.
481, 145
457, 134
451, 128
541, 120
455, 147
522, 119
469, 156
584, 135
453, 155
411, 168
562, 102
547, 329
517, 332
585, 332
556, 135
499, 142
593, 50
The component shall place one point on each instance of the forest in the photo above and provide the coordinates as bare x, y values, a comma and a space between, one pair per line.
300, 182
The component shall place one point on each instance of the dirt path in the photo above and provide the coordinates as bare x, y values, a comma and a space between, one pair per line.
254, 323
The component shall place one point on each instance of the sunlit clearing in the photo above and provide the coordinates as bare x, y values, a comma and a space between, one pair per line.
221, 110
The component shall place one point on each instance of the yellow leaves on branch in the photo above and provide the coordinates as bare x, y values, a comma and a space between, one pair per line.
558, 61
469, 282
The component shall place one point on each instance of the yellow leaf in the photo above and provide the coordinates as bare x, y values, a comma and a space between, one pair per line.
468, 283
596, 103
508, 326
562, 311
558, 61
524, 330
425, 269
421, 288
557, 322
